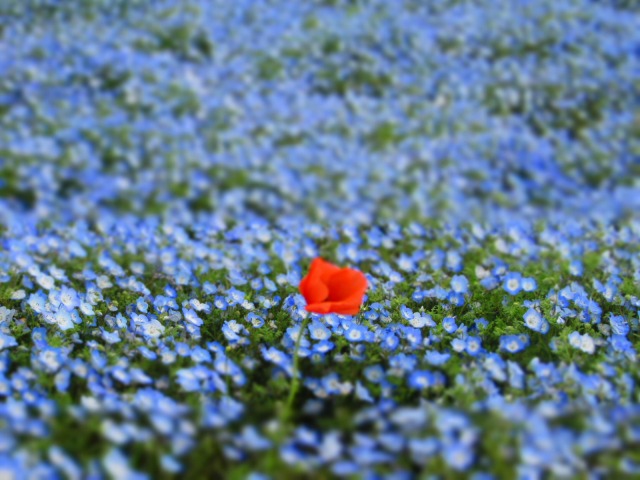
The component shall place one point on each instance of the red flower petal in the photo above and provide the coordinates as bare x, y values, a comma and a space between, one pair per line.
347, 284
323, 269
330, 289
314, 286
313, 290
341, 308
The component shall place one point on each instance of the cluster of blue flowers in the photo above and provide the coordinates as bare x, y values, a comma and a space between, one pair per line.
168, 171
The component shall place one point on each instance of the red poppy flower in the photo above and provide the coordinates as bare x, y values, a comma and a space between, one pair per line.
331, 289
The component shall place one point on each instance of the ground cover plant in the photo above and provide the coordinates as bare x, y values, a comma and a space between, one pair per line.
170, 170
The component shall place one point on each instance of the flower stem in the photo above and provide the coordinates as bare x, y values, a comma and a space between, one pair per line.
295, 379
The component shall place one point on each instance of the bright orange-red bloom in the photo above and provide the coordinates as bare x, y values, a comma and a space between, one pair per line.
331, 289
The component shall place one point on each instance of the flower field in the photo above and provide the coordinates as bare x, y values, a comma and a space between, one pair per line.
170, 170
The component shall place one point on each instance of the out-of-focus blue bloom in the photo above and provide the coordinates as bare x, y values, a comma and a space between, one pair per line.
449, 324
529, 284
436, 358
582, 342
512, 343
459, 284
619, 325
7, 341
535, 321
512, 283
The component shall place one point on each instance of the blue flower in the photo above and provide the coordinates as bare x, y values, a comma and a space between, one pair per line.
529, 284
421, 320
319, 331
69, 298
449, 324
255, 320
473, 345
422, 379
357, 333
50, 359
583, 342
459, 284
403, 362
512, 283
458, 345
374, 373
534, 321
619, 325
7, 341
435, 358
220, 303
458, 456
406, 312
278, 358
512, 343
422, 449
362, 393
576, 268
152, 329
490, 282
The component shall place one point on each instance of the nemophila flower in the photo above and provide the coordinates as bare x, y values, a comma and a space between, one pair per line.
459, 284
529, 284
151, 329
50, 359
234, 332
458, 456
403, 362
116, 464
454, 261
255, 320
362, 393
318, 331
421, 320
455, 299
490, 282
423, 449
87, 309
18, 294
69, 298
582, 342
422, 379
435, 358
512, 343
496, 366
45, 281
473, 345
7, 341
458, 345
278, 358
449, 324
330, 289
374, 373
192, 317
535, 321
480, 323
406, 312
412, 335
576, 268
357, 333
389, 341
110, 337
323, 346
621, 343
512, 283
37, 301
516, 375
62, 318
220, 303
